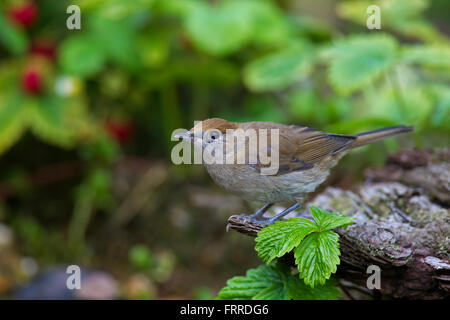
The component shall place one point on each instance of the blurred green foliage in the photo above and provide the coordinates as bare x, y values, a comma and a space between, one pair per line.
164, 63
157, 266
139, 69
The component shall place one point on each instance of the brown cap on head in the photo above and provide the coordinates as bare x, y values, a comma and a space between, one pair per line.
214, 123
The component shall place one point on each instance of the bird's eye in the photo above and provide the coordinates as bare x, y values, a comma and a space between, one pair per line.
214, 135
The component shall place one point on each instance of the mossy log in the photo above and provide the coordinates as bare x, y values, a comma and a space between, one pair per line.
402, 225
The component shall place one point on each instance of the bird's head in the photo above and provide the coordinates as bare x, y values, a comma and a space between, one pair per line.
207, 132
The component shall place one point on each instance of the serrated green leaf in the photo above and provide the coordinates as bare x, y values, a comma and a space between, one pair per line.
13, 38
220, 29
327, 221
274, 292
360, 60
298, 290
81, 56
278, 70
275, 240
317, 257
12, 119
275, 282
264, 282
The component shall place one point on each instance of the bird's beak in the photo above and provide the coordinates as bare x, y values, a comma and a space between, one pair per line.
186, 136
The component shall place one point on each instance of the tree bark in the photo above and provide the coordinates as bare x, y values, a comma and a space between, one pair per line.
402, 225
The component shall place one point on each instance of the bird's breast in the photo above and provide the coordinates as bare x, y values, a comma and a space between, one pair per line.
249, 184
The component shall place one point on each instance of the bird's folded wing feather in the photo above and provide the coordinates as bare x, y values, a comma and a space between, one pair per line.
300, 148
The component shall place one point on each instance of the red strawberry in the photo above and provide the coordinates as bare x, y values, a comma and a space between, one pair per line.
32, 81
24, 14
120, 131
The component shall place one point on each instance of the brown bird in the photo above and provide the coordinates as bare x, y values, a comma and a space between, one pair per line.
305, 157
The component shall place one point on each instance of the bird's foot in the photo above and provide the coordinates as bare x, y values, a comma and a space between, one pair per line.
258, 218
245, 219
264, 221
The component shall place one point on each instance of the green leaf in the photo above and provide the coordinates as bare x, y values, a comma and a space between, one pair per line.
409, 105
220, 29
175, 8
304, 103
441, 112
401, 10
275, 282
13, 38
278, 70
274, 292
275, 240
81, 55
420, 29
360, 60
327, 221
317, 248
264, 282
225, 27
116, 9
262, 108
317, 257
298, 290
429, 56
403, 16
116, 38
269, 25
12, 119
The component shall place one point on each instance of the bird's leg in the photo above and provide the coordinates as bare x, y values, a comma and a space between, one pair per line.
280, 215
260, 212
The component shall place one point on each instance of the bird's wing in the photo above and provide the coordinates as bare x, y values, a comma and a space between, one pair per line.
300, 148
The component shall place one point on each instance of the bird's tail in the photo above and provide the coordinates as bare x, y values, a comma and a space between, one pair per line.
376, 135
